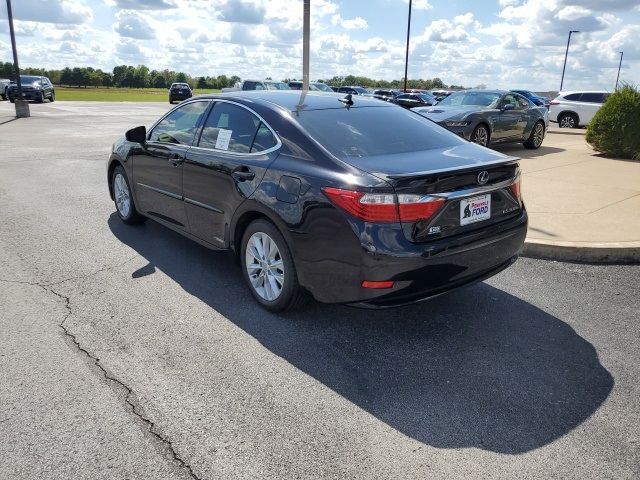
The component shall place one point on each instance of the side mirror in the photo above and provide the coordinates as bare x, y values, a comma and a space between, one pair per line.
137, 135
507, 107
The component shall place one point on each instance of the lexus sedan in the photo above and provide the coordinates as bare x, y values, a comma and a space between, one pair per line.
491, 117
348, 198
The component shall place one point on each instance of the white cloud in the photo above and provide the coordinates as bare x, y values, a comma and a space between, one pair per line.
49, 11
357, 23
133, 25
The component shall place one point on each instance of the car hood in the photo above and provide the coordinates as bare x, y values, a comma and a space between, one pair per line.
426, 162
439, 113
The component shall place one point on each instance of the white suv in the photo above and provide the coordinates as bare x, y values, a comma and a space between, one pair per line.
575, 109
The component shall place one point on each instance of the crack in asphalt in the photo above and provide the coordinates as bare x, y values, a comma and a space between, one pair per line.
128, 397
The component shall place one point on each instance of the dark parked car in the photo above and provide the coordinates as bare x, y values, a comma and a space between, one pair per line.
354, 200
353, 90
387, 95
413, 100
4, 84
539, 101
179, 92
315, 86
34, 87
490, 117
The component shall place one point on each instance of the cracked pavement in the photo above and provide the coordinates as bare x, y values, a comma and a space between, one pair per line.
130, 352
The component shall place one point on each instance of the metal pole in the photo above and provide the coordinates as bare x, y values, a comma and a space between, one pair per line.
306, 33
566, 54
406, 58
22, 107
619, 67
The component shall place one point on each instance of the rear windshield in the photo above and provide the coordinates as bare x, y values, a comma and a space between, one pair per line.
367, 131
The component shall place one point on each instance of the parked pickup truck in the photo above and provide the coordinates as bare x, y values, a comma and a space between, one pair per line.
257, 85
4, 83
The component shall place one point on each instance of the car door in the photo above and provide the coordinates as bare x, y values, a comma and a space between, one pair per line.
234, 150
47, 88
158, 164
525, 119
506, 128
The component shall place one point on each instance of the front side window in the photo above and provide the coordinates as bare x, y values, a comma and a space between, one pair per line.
180, 125
574, 97
481, 99
232, 128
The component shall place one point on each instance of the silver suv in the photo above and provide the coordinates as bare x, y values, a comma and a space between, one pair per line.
575, 109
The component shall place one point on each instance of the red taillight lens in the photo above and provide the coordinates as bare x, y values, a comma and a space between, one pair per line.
377, 285
414, 207
384, 207
515, 189
379, 208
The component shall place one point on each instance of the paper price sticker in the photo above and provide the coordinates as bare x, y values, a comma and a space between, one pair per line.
224, 137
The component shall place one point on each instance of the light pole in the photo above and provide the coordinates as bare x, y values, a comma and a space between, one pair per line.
565, 56
619, 67
306, 33
22, 107
406, 58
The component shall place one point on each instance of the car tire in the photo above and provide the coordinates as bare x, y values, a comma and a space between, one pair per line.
40, 99
52, 98
275, 288
4, 97
123, 199
536, 137
481, 135
568, 120
12, 100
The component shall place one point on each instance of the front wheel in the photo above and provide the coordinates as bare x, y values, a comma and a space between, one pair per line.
268, 267
536, 137
480, 135
123, 199
12, 100
40, 98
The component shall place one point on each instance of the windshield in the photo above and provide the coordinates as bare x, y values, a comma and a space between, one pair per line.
322, 87
369, 131
481, 99
360, 90
276, 86
29, 79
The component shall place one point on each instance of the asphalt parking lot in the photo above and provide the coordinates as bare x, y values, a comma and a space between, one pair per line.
131, 352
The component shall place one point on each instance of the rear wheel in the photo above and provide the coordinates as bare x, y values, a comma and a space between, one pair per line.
268, 267
480, 135
52, 98
568, 120
536, 137
123, 199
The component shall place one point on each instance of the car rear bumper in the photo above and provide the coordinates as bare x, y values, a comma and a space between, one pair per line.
421, 270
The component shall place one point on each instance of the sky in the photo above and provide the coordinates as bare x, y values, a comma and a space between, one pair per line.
497, 43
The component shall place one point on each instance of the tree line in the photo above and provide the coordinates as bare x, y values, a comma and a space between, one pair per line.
128, 76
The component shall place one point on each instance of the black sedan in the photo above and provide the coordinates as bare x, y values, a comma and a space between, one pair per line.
354, 200
414, 100
491, 117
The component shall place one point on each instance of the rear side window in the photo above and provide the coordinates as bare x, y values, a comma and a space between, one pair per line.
235, 129
367, 131
180, 125
574, 97
592, 97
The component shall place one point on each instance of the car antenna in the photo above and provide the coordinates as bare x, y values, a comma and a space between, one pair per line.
347, 100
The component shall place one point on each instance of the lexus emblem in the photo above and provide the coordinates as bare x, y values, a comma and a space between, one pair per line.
483, 177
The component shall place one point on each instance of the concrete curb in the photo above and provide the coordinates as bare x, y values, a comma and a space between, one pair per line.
568, 131
583, 252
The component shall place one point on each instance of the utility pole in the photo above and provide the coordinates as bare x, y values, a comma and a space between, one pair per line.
406, 58
22, 107
566, 54
306, 33
619, 67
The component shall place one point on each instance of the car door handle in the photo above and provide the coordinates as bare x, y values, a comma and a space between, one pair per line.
243, 174
176, 160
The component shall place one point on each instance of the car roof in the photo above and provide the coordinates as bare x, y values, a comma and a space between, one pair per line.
499, 92
290, 99
569, 92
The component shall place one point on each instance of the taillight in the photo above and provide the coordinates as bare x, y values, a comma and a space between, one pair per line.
515, 189
384, 207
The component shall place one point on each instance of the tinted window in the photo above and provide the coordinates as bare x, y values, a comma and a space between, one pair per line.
482, 99
180, 125
366, 131
574, 97
251, 86
523, 102
235, 129
592, 97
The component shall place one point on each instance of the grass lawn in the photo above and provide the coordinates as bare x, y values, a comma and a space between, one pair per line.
90, 94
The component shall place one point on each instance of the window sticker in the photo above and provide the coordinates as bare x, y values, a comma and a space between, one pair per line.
224, 137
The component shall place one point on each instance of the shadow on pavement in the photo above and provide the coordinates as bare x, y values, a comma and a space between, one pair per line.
476, 368
519, 151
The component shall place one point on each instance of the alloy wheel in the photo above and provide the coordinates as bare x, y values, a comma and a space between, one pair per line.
122, 195
567, 122
265, 266
481, 136
538, 135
